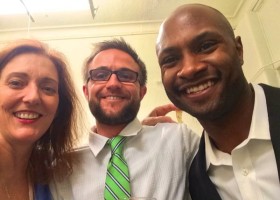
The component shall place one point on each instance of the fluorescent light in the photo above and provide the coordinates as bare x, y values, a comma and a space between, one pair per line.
8, 7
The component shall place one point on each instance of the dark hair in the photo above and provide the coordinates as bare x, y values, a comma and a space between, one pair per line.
121, 45
49, 154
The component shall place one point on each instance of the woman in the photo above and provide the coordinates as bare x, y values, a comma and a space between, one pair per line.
38, 119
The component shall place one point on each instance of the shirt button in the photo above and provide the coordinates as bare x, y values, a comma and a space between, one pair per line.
245, 172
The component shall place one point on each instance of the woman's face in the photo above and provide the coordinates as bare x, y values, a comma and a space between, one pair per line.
28, 98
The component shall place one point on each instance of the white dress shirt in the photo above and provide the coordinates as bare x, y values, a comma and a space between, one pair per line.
250, 172
158, 158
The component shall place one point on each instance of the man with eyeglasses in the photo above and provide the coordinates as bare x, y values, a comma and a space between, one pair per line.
156, 156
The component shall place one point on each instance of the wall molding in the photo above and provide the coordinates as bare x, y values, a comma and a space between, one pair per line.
83, 31
256, 5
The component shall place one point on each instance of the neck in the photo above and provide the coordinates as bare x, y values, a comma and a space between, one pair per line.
14, 172
16, 187
109, 131
13, 158
232, 129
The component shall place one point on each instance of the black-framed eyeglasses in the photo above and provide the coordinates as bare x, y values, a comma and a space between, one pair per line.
123, 75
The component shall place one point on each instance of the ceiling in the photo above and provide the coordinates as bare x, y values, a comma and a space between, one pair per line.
114, 12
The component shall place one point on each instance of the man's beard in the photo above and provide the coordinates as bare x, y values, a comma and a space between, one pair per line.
124, 116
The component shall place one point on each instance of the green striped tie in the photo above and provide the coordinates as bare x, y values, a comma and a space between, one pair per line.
117, 185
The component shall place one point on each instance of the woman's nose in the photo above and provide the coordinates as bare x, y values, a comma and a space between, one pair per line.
32, 95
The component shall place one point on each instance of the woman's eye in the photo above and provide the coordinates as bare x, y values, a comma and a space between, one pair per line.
49, 90
16, 84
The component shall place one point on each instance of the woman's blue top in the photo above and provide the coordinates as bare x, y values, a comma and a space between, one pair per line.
42, 192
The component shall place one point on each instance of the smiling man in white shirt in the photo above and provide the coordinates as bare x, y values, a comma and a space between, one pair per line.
201, 64
158, 157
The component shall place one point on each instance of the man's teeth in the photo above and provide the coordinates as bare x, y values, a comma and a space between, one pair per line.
113, 97
27, 115
200, 87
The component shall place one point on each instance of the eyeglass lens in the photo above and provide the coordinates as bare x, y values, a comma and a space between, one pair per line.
122, 75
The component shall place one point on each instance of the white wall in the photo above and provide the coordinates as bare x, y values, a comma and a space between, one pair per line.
260, 33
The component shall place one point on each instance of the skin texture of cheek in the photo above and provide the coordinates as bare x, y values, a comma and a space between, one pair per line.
169, 82
24, 129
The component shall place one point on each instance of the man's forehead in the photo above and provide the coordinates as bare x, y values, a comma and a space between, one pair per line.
112, 54
193, 14
190, 17
113, 58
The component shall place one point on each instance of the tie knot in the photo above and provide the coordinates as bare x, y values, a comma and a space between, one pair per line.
116, 144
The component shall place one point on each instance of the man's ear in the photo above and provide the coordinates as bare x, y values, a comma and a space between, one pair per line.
239, 48
143, 90
85, 90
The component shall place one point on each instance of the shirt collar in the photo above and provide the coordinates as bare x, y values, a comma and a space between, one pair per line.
97, 142
259, 130
259, 126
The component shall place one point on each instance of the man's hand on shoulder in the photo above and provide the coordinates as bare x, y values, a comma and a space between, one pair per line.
158, 115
